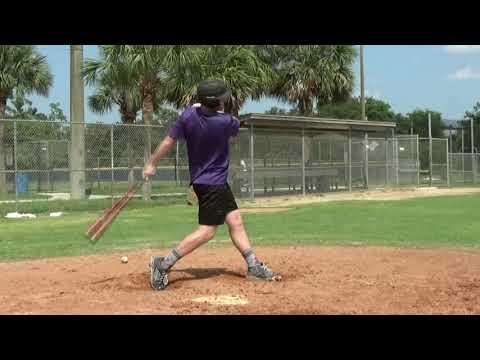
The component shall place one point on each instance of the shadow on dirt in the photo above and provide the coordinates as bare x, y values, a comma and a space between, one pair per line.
140, 281
202, 273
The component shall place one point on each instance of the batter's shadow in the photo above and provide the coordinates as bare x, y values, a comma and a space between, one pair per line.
203, 273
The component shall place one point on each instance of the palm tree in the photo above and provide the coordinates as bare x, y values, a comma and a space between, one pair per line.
242, 70
115, 85
22, 70
108, 95
311, 73
140, 70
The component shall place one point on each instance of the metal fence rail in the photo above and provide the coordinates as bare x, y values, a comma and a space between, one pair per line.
36, 162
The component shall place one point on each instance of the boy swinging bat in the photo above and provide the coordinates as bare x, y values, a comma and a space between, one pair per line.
206, 129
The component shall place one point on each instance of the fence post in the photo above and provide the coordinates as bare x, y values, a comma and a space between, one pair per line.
418, 160
345, 164
448, 164
303, 162
474, 168
15, 162
98, 172
111, 162
47, 150
463, 157
397, 163
366, 160
252, 166
430, 146
472, 141
350, 160
450, 142
177, 161
386, 162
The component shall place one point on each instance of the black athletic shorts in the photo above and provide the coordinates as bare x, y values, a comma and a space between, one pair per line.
214, 203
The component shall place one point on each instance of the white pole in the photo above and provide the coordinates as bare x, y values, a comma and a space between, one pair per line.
252, 166
463, 155
362, 82
418, 160
474, 170
350, 160
15, 163
111, 162
448, 164
386, 161
366, 160
430, 147
303, 162
177, 163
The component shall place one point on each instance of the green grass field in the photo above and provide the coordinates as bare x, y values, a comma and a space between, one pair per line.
119, 189
428, 222
25, 196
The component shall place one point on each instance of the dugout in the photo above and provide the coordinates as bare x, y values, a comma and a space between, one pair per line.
282, 154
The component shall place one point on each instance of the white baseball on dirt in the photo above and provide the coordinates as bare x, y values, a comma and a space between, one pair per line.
124, 259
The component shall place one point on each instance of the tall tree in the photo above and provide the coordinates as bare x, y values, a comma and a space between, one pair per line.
309, 74
21, 108
115, 84
376, 110
243, 71
56, 113
276, 111
145, 70
22, 70
165, 116
419, 120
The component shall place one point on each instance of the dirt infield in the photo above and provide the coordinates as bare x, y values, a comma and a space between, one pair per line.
375, 195
317, 280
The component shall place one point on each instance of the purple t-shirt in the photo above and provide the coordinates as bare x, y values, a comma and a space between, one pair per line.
207, 136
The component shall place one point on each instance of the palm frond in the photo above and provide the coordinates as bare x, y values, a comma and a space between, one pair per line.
22, 68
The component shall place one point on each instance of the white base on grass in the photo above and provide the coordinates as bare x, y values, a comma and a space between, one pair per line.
16, 215
56, 214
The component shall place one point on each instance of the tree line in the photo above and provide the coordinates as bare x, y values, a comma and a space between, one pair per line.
414, 122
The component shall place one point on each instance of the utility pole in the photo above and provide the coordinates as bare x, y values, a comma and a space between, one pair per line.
77, 160
362, 82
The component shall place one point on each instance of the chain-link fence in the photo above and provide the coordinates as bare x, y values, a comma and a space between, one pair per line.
36, 162
464, 168
434, 162
326, 162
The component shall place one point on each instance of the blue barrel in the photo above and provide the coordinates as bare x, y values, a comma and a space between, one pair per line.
22, 183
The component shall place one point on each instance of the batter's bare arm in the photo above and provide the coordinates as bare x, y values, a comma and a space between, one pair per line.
163, 149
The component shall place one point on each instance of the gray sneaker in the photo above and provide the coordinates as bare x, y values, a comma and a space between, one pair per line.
262, 272
158, 277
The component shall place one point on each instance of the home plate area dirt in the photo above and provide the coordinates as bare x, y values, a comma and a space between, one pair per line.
316, 280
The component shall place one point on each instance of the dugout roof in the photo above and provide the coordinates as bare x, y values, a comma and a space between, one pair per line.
315, 123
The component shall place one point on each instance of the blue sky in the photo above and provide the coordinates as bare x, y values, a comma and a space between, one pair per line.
442, 78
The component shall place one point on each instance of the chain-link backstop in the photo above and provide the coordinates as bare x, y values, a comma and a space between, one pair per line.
35, 162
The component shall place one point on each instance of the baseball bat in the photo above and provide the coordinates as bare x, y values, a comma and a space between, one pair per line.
96, 230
